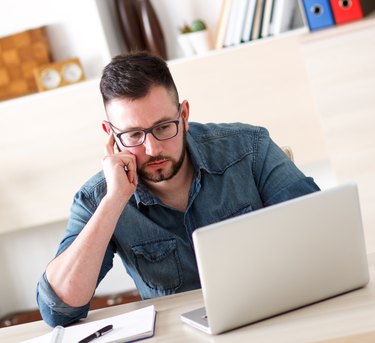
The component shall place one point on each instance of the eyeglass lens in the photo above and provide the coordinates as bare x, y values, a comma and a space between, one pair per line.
161, 132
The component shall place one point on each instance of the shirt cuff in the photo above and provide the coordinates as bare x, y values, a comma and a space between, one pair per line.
53, 310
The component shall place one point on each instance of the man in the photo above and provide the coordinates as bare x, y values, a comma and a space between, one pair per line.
162, 178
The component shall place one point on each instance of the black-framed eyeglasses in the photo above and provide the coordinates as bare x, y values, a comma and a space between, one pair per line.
162, 132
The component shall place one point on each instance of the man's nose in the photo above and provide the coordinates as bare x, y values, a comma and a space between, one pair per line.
152, 145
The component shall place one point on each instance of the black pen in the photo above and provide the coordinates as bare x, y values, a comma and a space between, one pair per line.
97, 334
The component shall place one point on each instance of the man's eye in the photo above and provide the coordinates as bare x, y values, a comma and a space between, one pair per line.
163, 127
134, 135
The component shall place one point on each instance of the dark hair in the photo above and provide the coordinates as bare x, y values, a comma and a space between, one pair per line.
132, 75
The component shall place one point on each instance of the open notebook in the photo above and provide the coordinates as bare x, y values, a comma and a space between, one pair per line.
127, 327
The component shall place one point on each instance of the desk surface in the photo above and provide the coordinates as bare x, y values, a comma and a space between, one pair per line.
346, 315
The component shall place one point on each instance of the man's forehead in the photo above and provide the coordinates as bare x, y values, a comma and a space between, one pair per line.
126, 115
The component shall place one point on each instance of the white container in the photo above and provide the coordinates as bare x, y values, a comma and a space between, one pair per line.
195, 42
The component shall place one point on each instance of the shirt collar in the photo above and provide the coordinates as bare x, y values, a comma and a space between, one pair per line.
144, 196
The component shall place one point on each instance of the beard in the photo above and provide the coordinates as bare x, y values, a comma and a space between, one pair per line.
163, 175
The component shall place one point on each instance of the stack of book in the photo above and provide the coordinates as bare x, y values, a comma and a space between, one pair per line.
245, 20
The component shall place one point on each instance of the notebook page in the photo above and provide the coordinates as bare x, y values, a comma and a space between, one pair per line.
126, 327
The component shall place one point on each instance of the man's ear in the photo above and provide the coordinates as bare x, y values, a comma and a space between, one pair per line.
106, 128
185, 113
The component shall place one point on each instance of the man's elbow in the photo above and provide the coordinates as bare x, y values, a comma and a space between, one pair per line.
55, 316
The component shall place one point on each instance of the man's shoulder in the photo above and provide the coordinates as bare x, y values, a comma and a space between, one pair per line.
212, 131
218, 146
228, 134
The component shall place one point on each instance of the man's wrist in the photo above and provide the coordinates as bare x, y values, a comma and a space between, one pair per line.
115, 201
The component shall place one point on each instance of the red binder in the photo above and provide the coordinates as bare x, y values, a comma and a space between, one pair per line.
346, 10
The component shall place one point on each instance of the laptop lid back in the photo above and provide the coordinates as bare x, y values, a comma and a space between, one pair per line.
281, 257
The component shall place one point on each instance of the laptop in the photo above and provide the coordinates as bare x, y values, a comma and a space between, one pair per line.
279, 258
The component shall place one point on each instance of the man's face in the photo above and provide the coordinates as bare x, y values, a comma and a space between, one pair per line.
156, 160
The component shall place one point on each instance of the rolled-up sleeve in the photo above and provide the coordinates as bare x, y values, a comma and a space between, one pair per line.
53, 310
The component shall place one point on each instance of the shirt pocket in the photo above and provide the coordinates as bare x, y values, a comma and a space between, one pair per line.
158, 264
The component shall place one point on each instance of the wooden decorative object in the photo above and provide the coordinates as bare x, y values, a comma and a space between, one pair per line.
151, 29
130, 25
58, 74
20, 54
140, 26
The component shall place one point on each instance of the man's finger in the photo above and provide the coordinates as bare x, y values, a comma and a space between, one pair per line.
131, 170
109, 147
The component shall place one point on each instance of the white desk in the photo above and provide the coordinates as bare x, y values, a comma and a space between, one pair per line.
349, 314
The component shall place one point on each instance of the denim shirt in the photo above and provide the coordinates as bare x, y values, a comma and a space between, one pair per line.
238, 169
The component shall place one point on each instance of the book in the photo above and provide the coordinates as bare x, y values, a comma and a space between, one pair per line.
318, 14
239, 21
127, 327
229, 34
249, 18
345, 11
268, 6
257, 24
298, 19
282, 16
222, 24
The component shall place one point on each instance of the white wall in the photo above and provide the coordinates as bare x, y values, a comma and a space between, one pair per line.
24, 255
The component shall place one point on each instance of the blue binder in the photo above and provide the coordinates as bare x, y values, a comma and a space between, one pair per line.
318, 14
